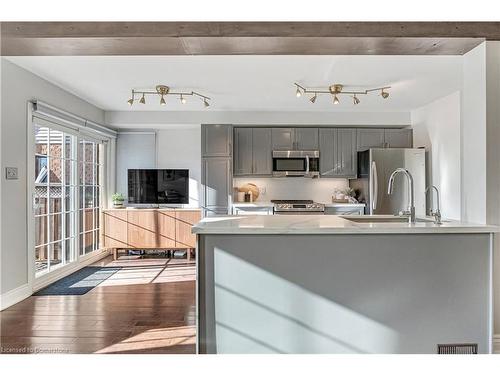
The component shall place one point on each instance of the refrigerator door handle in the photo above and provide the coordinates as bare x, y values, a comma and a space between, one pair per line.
374, 187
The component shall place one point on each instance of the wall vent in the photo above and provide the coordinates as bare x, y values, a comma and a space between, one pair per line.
457, 349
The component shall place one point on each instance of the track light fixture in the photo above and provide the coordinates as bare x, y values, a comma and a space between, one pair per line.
336, 90
162, 91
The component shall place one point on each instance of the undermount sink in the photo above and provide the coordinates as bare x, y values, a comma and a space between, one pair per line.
368, 219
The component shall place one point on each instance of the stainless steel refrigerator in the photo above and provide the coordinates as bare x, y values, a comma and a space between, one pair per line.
374, 169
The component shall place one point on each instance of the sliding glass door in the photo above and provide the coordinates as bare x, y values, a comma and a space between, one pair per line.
66, 198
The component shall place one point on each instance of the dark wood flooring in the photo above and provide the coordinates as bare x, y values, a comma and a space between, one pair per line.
148, 306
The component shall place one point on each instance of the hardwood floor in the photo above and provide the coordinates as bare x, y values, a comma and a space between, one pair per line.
148, 306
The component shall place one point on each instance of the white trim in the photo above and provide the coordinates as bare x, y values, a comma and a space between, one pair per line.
57, 274
14, 296
30, 189
491, 324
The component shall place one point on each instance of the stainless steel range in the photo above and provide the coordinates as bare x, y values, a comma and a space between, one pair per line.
298, 207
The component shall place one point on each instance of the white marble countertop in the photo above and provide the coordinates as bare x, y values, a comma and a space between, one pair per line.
354, 205
327, 224
254, 204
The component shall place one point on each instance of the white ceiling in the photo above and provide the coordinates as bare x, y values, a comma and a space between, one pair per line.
251, 83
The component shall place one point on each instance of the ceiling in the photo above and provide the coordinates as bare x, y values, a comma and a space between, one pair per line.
251, 83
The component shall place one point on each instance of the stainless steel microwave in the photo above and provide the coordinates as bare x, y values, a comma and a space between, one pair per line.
294, 163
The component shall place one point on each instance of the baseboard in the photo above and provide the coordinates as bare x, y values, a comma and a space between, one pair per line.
14, 296
496, 344
45, 280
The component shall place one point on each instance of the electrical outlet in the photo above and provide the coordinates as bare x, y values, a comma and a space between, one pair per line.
262, 190
11, 173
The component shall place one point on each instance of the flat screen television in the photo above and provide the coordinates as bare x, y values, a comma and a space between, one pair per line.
158, 186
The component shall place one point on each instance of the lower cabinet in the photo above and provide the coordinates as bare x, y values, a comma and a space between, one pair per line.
150, 228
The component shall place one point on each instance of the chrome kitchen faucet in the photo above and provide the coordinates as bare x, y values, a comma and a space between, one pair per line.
411, 193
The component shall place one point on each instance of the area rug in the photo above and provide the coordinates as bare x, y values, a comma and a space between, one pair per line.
79, 283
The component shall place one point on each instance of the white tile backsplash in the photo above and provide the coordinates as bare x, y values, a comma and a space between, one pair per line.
318, 189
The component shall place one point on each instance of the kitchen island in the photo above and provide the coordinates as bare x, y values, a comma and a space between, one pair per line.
333, 284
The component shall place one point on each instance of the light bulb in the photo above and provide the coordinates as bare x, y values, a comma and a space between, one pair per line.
130, 101
143, 100
384, 94
335, 100
162, 101
313, 98
355, 100
183, 100
206, 103
298, 93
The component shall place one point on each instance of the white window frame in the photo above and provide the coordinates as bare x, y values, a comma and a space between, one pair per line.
46, 115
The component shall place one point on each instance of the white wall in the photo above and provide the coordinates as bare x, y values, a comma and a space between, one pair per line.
473, 130
133, 151
436, 127
158, 120
318, 189
180, 147
18, 87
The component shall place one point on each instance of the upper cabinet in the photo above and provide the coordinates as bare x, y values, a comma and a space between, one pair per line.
337, 152
398, 138
216, 140
283, 138
295, 139
384, 138
370, 138
252, 151
306, 139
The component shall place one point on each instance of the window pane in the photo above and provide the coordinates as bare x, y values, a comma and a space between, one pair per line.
55, 222
81, 172
89, 219
81, 221
67, 146
56, 254
68, 190
67, 218
68, 168
80, 194
41, 171
67, 249
55, 167
89, 152
55, 199
81, 243
96, 174
97, 239
56, 138
41, 255
89, 196
40, 200
40, 230
41, 140
89, 242
96, 218
89, 174
96, 196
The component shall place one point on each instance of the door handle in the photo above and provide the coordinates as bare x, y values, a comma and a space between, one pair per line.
374, 187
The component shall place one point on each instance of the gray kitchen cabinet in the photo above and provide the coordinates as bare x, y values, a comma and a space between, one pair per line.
243, 151
344, 210
216, 140
262, 151
398, 138
295, 138
346, 157
337, 152
216, 180
327, 151
306, 138
370, 138
252, 151
283, 138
